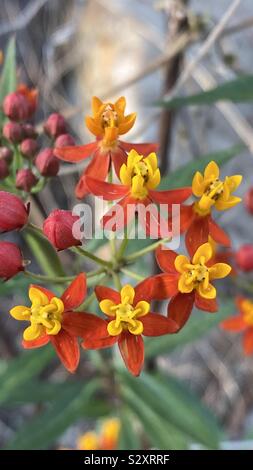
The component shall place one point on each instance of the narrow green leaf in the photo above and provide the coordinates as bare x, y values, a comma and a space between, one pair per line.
161, 433
67, 408
29, 364
8, 82
44, 253
129, 439
238, 91
199, 325
183, 175
178, 406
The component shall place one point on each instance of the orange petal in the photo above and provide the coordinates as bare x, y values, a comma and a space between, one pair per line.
36, 343
132, 351
84, 325
67, 349
186, 217
141, 149
235, 323
180, 308
166, 259
218, 234
104, 292
76, 153
197, 234
99, 343
98, 168
157, 325
208, 305
124, 217
75, 294
172, 196
108, 191
248, 342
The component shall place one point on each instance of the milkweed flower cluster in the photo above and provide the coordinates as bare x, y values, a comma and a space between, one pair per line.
127, 313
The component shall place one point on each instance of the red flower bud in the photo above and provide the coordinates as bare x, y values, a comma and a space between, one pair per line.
55, 125
11, 261
4, 169
58, 229
47, 163
29, 148
6, 154
29, 131
13, 131
64, 140
244, 258
248, 201
13, 212
31, 96
15, 106
25, 180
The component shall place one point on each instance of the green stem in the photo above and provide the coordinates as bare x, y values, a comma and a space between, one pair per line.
133, 275
123, 246
92, 257
60, 279
116, 280
148, 249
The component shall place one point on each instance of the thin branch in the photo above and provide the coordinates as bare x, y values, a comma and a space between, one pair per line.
204, 48
24, 17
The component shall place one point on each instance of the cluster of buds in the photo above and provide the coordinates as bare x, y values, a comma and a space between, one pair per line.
21, 157
13, 216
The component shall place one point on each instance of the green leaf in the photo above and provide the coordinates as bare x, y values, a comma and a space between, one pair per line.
178, 406
129, 439
199, 325
238, 91
161, 433
67, 408
183, 175
43, 252
19, 371
40, 392
8, 82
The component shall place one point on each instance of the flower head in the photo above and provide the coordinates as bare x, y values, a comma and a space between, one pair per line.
196, 274
109, 120
52, 319
11, 260
188, 281
58, 228
13, 212
106, 439
25, 179
214, 192
47, 163
242, 322
128, 317
142, 174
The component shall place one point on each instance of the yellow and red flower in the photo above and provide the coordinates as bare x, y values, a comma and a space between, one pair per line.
107, 124
106, 439
188, 282
139, 177
128, 318
196, 220
52, 319
243, 322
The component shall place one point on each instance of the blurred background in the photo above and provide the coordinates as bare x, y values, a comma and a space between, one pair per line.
74, 49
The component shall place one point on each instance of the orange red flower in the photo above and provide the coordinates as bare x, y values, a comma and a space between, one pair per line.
139, 177
243, 322
52, 319
108, 123
212, 192
106, 439
188, 281
128, 317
